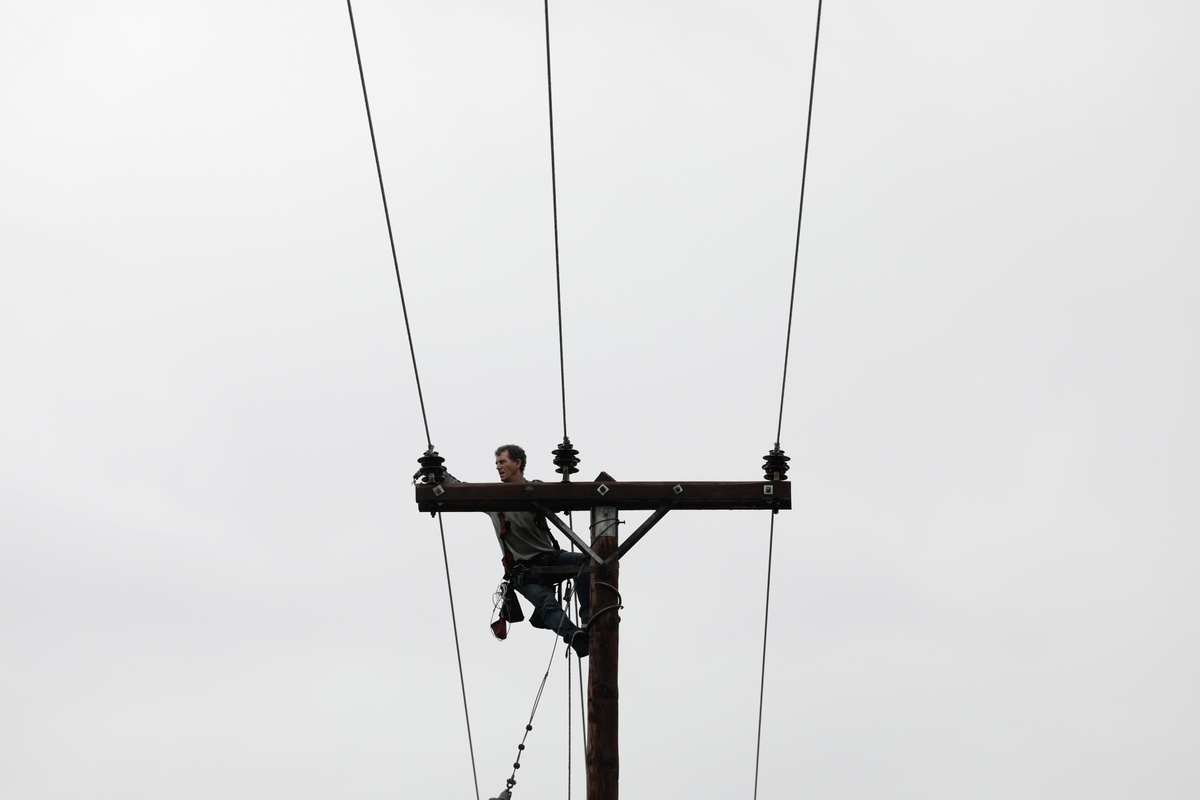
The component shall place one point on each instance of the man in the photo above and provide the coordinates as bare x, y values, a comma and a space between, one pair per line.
525, 541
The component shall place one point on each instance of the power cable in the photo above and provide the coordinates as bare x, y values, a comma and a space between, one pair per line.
416, 375
763, 674
388, 218
762, 679
458, 652
799, 220
562, 368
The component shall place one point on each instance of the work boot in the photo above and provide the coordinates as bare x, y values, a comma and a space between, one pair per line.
579, 643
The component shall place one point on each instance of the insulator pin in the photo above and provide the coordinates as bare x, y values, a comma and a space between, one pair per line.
775, 465
431, 470
565, 460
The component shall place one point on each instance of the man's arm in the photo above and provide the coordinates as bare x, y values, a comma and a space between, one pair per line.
496, 524
419, 474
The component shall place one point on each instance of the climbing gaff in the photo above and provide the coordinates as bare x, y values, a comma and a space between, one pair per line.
565, 460
775, 465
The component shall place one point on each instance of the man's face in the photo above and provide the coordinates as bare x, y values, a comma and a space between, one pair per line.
509, 470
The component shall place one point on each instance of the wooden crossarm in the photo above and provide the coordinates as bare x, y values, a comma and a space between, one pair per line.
622, 495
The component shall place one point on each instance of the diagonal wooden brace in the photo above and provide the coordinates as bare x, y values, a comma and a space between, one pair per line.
570, 534
642, 530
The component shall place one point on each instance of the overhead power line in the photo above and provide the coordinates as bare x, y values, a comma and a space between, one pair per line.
762, 680
562, 369
388, 218
417, 376
799, 221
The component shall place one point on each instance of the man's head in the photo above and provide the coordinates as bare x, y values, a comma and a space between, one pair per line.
510, 463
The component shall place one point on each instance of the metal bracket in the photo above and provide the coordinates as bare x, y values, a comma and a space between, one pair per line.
642, 530
570, 534
625, 547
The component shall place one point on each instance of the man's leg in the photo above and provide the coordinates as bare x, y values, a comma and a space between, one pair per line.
583, 583
547, 607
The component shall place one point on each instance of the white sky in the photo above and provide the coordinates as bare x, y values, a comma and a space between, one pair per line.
214, 582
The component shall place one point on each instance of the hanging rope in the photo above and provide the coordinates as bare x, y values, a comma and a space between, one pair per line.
569, 721
573, 614
579, 661
512, 780
776, 460
388, 218
582, 700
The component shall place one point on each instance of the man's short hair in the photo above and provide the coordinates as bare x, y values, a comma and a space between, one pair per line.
515, 453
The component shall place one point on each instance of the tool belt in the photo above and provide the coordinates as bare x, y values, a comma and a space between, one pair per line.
518, 573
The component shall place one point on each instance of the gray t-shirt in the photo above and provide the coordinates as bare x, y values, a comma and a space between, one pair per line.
525, 538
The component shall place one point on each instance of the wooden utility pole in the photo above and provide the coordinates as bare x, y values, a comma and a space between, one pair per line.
604, 497
603, 758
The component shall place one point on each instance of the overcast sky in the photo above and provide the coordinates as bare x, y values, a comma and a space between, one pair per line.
214, 582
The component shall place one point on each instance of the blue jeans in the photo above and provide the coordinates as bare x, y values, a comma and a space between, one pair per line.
541, 595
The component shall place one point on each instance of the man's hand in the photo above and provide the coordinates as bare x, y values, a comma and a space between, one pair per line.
419, 477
